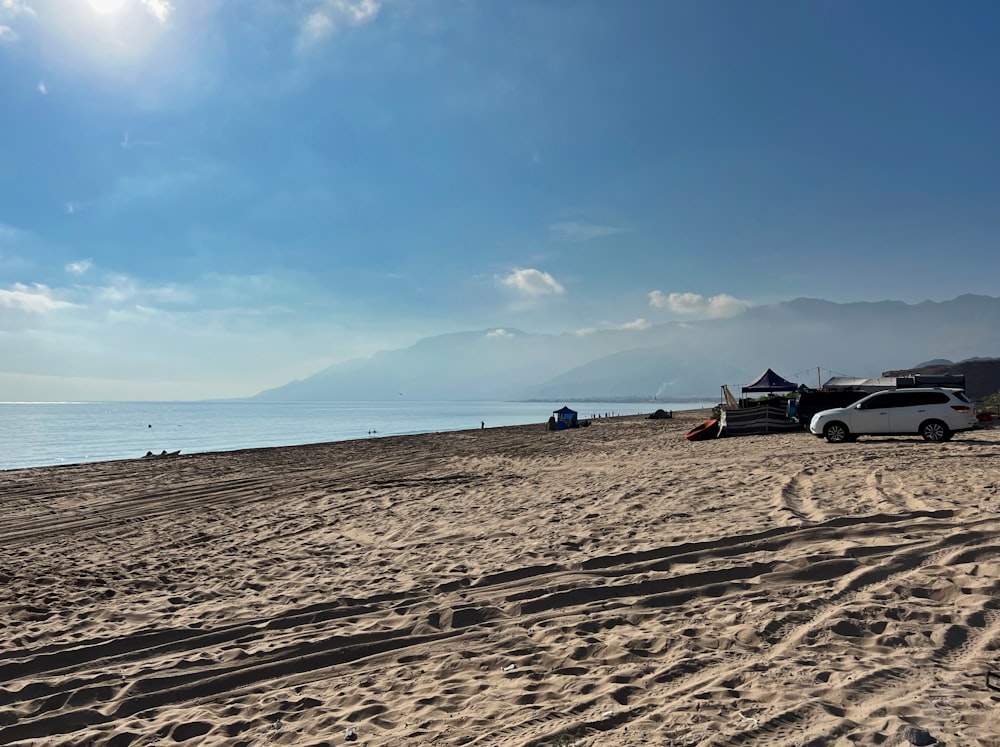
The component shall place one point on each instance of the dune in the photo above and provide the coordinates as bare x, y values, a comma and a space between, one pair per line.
614, 585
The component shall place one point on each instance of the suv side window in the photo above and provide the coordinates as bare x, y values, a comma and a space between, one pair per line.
906, 399
899, 399
917, 399
879, 401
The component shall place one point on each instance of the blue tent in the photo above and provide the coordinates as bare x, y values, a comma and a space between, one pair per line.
769, 381
567, 416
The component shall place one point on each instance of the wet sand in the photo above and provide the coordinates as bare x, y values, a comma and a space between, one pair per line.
612, 585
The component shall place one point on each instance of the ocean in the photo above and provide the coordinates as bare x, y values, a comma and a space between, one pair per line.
34, 434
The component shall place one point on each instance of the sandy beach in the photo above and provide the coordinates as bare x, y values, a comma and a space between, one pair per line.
612, 585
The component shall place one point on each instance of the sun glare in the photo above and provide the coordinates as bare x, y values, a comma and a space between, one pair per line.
106, 6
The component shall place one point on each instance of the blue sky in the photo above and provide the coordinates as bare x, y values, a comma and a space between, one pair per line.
206, 198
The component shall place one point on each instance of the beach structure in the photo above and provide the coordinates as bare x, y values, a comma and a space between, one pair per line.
760, 419
757, 418
883, 383
565, 418
728, 400
768, 383
859, 384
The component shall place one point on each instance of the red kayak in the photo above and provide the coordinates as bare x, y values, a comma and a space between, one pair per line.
708, 429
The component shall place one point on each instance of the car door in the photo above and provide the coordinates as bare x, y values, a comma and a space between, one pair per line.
914, 409
906, 412
871, 415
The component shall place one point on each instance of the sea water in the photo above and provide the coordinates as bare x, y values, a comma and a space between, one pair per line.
43, 434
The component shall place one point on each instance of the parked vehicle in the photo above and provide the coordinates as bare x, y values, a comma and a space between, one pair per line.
934, 413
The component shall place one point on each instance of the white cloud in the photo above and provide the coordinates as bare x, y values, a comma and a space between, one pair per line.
79, 268
170, 294
131, 340
532, 283
694, 304
160, 9
42, 88
499, 333
35, 299
10, 9
128, 142
316, 27
577, 231
119, 290
637, 324
330, 16
123, 291
14, 8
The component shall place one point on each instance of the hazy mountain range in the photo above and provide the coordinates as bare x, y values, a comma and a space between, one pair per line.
804, 340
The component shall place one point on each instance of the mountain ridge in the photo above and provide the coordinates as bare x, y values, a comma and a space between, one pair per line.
670, 359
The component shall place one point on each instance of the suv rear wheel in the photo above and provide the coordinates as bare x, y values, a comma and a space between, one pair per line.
836, 433
935, 430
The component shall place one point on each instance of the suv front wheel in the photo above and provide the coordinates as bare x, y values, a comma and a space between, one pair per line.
836, 433
935, 430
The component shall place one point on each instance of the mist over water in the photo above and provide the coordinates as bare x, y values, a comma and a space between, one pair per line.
43, 434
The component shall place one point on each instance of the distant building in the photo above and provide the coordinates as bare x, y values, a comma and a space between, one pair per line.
859, 384
881, 383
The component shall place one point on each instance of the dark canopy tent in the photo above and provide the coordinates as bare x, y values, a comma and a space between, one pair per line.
768, 415
769, 381
566, 415
565, 418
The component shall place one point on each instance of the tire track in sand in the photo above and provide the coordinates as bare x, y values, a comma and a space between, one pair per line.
875, 691
794, 495
186, 666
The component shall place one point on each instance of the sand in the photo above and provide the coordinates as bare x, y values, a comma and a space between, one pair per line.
613, 585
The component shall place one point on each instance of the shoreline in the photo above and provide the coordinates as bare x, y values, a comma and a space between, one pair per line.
508, 586
42, 436
245, 450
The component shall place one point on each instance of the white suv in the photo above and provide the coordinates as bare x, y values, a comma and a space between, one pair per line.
934, 413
